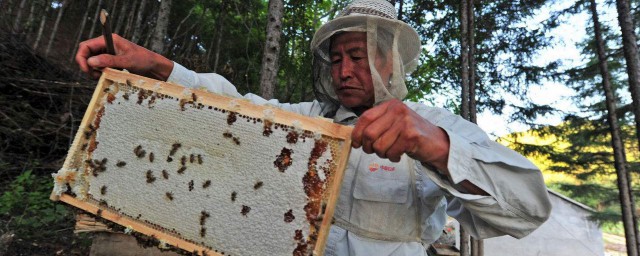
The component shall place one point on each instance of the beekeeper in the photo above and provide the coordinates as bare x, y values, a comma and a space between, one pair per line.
411, 166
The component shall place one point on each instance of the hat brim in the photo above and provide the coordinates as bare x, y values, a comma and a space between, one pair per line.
408, 43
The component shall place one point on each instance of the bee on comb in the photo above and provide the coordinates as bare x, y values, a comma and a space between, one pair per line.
206, 184
174, 148
150, 177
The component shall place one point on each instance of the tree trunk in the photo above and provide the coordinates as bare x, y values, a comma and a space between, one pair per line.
47, 5
472, 71
128, 27
54, 31
464, 242
121, 15
157, 41
400, 10
95, 18
469, 245
9, 10
464, 63
85, 17
137, 31
32, 15
16, 23
271, 53
633, 69
112, 12
219, 37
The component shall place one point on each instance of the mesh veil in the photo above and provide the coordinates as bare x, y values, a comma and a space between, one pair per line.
388, 39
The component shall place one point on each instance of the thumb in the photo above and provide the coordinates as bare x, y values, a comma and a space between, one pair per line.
106, 61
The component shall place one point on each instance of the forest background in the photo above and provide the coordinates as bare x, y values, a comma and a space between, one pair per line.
485, 62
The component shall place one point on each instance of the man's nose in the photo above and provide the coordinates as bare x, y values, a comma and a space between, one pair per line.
346, 69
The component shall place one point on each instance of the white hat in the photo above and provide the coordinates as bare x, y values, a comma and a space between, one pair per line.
379, 19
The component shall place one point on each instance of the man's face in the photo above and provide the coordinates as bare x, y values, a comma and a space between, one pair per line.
350, 72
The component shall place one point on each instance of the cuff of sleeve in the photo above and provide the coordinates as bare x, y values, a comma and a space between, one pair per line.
459, 162
444, 183
181, 75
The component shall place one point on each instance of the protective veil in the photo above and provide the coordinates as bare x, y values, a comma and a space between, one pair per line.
387, 38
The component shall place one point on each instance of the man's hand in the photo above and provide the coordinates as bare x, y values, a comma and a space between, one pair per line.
136, 59
392, 129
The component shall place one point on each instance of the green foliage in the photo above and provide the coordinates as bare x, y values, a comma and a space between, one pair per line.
505, 45
29, 211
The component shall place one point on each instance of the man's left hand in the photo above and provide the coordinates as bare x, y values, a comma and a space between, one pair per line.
392, 129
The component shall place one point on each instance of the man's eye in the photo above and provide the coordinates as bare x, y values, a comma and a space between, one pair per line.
357, 58
336, 61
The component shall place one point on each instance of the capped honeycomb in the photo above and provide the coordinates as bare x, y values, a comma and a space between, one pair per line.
204, 172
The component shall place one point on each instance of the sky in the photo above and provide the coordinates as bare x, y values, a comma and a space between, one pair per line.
556, 94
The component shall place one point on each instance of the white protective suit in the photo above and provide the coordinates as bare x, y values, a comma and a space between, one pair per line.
388, 208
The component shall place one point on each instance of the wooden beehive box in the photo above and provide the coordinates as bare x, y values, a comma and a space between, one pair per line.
204, 172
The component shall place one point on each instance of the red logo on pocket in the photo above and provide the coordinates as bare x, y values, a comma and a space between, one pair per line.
373, 167
388, 168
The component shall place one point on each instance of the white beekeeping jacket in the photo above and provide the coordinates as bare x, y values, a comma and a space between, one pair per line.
388, 208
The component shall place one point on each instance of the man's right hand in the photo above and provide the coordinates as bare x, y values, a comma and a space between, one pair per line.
92, 58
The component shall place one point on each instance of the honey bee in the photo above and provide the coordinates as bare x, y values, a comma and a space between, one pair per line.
199, 159
182, 169
151, 157
174, 148
194, 96
84, 146
190, 185
103, 190
183, 160
90, 163
206, 184
169, 159
236, 140
245, 210
257, 185
99, 212
227, 135
233, 196
140, 153
203, 216
169, 196
150, 177
121, 163
165, 174
126, 96
203, 231
192, 158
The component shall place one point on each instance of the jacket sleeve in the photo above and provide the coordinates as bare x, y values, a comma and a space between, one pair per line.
518, 201
215, 83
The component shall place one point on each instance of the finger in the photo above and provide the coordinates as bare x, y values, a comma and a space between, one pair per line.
363, 122
376, 130
386, 141
107, 61
87, 49
398, 148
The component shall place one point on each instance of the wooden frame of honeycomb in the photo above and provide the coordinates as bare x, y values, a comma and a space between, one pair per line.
204, 172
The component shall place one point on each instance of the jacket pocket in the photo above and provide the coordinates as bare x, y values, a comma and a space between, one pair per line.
383, 186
